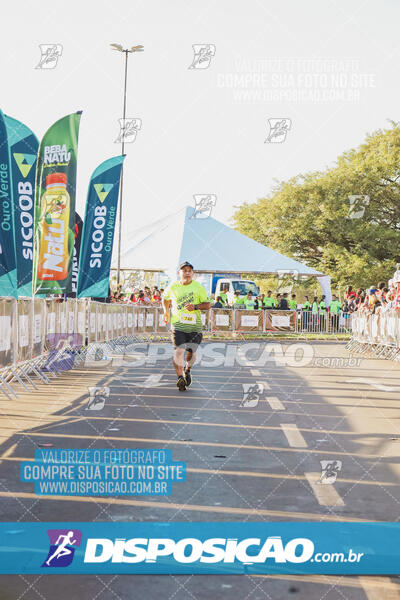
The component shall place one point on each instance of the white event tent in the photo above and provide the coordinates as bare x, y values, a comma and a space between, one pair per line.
209, 245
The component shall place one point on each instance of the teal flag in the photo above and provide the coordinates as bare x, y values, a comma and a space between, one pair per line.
23, 147
98, 229
8, 271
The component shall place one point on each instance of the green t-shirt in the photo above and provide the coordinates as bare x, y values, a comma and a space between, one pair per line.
249, 304
238, 301
179, 294
292, 304
315, 308
334, 307
322, 307
224, 298
306, 305
269, 302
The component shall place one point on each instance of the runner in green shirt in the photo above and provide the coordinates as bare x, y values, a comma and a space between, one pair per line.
187, 298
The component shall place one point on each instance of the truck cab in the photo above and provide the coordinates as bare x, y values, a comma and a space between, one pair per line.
230, 286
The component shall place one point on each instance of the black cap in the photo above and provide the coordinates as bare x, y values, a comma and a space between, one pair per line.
185, 264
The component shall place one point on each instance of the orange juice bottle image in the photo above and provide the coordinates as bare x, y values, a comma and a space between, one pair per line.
54, 222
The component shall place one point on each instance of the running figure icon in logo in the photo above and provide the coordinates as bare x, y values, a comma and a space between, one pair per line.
61, 551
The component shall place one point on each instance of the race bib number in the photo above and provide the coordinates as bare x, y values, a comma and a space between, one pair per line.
188, 319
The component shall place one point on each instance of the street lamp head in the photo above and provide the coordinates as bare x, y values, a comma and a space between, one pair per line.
117, 47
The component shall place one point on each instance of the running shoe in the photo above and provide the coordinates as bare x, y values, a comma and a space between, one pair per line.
181, 383
188, 377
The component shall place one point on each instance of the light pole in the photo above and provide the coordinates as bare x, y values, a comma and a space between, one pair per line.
126, 51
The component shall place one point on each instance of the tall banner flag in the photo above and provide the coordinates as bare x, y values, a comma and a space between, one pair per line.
98, 229
23, 146
75, 257
8, 272
54, 226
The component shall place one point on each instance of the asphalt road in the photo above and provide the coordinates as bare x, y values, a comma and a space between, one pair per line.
246, 461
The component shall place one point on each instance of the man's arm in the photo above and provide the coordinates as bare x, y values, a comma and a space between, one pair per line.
166, 305
201, 306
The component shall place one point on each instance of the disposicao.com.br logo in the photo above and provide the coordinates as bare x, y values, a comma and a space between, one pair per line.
189, 550
62, 547
223, 551
200, 547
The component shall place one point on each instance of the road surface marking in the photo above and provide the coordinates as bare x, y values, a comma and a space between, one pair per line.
117, 361
379, 588
376, 583
265, 384
241, 473
275, 403
372, 383
255, 372
174, 442
293, 435
151, 381
326, 494
191, 507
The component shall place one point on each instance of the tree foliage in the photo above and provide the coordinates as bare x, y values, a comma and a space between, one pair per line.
311, 218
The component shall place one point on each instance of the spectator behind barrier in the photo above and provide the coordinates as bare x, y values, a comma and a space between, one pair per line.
238, 301
292, 302
269, 301
249, 302
156, 295
218, 303
283, 303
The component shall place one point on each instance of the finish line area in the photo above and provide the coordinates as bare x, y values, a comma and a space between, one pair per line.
256, 441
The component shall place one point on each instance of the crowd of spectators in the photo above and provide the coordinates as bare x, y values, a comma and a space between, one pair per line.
374, 300
145, 296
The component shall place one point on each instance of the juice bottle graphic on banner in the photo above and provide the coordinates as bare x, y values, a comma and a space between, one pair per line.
54, 222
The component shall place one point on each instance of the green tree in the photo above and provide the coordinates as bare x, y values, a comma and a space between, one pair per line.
311, 217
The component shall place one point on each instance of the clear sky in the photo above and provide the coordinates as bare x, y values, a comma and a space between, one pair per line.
329, 66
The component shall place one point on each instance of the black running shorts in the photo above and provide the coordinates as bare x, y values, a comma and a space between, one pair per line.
187, 340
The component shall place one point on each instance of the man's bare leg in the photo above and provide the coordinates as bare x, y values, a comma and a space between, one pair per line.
178, 361
190, 359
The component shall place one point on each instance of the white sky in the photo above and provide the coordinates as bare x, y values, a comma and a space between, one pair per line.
198, 135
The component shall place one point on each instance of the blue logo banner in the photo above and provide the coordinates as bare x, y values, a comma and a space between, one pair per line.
8, 273
98, 229
23, 146
200, 548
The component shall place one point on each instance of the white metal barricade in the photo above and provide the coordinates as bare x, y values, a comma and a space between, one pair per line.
248, 321
8, 333
221, 320
376, 334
